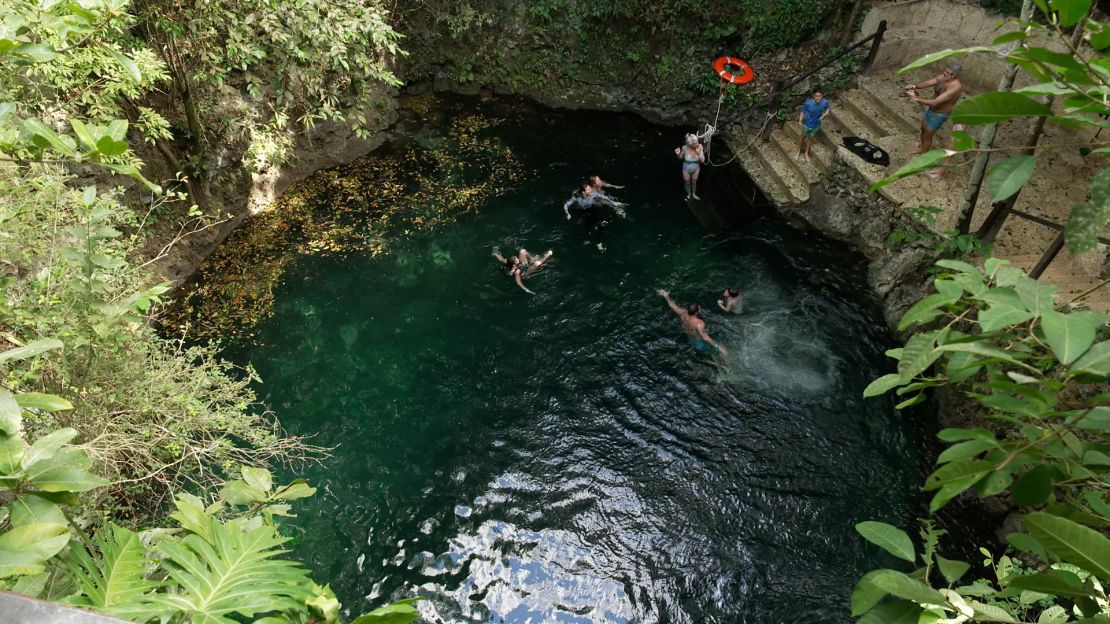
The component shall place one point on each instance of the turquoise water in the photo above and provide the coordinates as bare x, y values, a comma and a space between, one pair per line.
567, 457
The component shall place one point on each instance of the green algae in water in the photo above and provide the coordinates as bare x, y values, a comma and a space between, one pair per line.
568, 457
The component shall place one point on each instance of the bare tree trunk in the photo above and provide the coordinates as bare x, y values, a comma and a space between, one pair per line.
986, 141
850, 26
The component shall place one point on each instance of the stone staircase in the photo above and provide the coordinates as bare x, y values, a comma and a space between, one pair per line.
874, 110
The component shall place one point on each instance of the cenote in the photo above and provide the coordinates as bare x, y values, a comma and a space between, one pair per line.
567, 457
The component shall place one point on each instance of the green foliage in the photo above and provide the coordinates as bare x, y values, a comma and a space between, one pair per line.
330, 63
784, 23
1036, 371
951, 244
62, 97
217, 566
162, 415
1078, 77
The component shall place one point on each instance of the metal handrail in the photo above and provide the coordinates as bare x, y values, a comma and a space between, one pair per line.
775, 97
1047, 223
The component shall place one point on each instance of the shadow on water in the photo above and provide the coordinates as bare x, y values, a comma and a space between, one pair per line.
568, 457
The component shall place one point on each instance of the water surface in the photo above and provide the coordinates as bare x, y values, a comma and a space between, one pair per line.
567, 457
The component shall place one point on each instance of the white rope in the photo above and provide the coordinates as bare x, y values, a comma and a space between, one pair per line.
710, 129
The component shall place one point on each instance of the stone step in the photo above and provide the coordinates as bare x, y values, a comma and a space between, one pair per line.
823, 148
874, 123
765, 177
884, 93
789, 148
789, 170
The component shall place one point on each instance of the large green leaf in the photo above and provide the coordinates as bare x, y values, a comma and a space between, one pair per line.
127, 64
400, 612
35, 509
1033, 487
865, 595
1055, 582
933, 57
952, 569
236, 572
114, 581
920, 163
66, 470
11, 453
30, 349
1008, 176
1096, 361
992, 613
997, 106
956, 472
1037, 297
918, 354
893, 612
889, 538
1069, 12
25, 549
986, 350
926, 309
964, 450
258, 478
44, 402
11, 416
1006, 308
1068, 335
882, 385
1088, 219
48, 446
1072, 542
902, 586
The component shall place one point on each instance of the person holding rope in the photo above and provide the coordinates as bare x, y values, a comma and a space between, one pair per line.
692, 155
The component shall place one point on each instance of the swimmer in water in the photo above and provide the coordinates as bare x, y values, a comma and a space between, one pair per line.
521, 265
732, 302
599, 184
587, 197
693, 325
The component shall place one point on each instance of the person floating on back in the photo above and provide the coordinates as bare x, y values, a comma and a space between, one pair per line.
692, 155
732, 301
814, 110
947, 90
693, 325
521, 265
588, 197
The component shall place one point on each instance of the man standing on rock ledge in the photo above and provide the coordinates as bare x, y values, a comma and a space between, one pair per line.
947, 90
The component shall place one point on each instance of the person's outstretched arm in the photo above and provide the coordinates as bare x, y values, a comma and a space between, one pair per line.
928, 83
566, 207
604, 184
670, 302
520, 282
499, 257
721, 305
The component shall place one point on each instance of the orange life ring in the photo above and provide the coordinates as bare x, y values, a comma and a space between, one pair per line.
721, 67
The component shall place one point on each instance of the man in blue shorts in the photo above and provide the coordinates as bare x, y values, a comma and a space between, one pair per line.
815, 109
947, 90
694, 326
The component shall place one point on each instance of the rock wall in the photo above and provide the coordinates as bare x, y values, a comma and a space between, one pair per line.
840, 206
241, 193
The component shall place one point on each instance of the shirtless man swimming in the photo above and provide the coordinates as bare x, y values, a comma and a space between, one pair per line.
693, 325
947, 90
